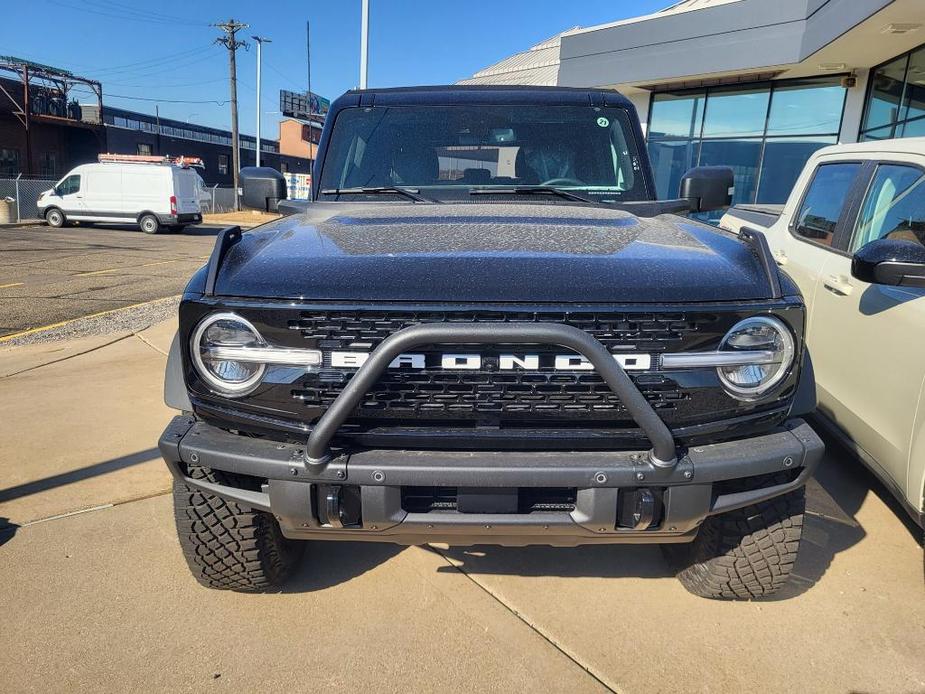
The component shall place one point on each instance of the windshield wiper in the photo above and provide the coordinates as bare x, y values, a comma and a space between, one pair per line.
532, 190
411, 194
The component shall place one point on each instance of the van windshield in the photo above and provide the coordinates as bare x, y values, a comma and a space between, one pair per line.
444, 152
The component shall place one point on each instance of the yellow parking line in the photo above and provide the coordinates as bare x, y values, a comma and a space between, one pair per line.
160, 262
11, 284
30, 331
97, 272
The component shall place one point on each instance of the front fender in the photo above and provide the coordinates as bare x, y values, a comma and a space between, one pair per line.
175, 393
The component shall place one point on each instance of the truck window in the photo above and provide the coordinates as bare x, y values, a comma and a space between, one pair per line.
894, 207
446, 150
823, 202
69, 185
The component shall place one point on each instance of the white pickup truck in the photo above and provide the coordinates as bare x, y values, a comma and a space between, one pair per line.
852, 237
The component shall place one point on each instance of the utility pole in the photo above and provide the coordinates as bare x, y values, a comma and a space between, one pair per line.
260, 41
364, 44
308, 55
229, 40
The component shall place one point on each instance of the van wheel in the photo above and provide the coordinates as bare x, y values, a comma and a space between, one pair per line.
149, 224
55, 218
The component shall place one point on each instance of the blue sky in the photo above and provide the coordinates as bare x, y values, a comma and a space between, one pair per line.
164, 51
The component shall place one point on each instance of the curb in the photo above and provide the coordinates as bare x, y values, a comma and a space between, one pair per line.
23, 223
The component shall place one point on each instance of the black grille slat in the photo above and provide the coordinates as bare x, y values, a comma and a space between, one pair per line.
614, 329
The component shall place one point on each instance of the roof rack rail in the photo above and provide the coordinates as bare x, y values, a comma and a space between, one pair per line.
183, 161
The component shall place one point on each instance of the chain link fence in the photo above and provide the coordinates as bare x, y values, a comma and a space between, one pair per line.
25, 192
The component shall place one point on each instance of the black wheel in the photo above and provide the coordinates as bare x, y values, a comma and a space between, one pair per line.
228, 546
149, 224
55, 218
743, 554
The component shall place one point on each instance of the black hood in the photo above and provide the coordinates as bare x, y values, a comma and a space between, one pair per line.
519, 252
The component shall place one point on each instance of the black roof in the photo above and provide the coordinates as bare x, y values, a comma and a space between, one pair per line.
483, 94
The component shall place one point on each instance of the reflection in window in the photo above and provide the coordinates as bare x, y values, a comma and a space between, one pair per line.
784, 159
738, 112
824, 200
677, 115
894, 208
896, 101
765, 133
671, 159
796, 110
742, 156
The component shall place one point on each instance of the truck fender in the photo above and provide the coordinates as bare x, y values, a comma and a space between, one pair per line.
804, 401
175, 394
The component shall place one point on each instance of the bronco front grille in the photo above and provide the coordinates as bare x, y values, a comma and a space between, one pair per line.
489, 394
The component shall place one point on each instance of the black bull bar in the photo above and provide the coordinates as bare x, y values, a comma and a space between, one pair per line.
663, 453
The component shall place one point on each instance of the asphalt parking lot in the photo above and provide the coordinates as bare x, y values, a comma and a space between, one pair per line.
96, 596
52, 275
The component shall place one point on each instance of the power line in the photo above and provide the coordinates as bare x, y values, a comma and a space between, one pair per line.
164, 101
124, 16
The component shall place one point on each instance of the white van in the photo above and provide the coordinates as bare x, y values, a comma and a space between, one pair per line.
153, 196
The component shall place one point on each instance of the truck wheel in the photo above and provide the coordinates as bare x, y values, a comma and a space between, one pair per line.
743, 554
229, 546
149, 224
55, 218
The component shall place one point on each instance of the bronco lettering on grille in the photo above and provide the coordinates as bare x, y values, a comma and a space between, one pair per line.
502, 362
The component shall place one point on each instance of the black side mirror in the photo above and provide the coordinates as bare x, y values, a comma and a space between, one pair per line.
262, 187
892, 262
708, 188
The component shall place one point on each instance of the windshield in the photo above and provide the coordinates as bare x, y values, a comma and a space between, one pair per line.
445, 151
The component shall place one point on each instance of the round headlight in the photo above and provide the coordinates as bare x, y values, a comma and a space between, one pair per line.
757, 334
223, 375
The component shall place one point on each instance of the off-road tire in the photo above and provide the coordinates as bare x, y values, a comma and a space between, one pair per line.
226, 545
55, 218
743, 554
149, 224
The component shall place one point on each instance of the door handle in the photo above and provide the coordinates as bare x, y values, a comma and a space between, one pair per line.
780, 258
838, 284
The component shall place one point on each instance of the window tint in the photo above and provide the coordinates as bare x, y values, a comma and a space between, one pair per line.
824, 201
448, 149
894, 207
737, 112
69, 185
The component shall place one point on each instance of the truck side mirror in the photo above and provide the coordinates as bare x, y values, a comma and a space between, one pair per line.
262, 188
891, 262
708, 188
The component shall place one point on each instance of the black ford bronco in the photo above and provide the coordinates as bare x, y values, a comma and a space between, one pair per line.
484, 329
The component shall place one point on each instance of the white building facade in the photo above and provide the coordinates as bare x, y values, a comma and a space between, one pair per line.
758, 85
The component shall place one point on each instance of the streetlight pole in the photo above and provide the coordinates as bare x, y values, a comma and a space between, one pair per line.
260, 41
364, 44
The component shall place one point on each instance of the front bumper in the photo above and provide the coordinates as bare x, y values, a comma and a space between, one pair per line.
295, 490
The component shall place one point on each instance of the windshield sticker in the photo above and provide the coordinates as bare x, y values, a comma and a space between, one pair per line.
603, 122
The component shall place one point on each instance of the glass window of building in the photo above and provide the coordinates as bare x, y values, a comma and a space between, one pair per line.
765, 132
896, 98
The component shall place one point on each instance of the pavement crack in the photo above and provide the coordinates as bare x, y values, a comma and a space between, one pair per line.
91, 509
70, 356
548, 638
148, 342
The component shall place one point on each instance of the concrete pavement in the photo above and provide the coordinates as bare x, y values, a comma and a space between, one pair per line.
100, 599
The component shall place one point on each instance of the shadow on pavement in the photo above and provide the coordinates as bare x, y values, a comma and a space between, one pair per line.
329, 563
830, 527
7, 530
77, 475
